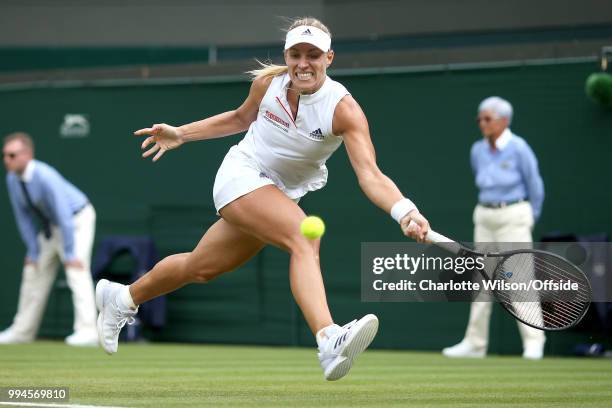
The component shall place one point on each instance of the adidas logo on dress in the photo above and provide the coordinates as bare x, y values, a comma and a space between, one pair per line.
317, 134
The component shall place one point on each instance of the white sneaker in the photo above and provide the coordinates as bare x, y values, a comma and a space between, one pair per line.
533, 352
9, 337
113, 316
339, 346
83, 338
464, 350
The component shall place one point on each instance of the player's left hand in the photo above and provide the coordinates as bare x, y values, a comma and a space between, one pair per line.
163, 137
417, 229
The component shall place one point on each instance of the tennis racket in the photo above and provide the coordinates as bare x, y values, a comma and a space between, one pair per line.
541, 307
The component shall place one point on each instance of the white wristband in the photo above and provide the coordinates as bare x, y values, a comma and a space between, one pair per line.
401, 208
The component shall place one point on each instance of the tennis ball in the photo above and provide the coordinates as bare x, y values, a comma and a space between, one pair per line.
312, 227
598, 87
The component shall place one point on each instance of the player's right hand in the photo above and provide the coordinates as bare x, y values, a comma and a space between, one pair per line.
415, 226
164, 137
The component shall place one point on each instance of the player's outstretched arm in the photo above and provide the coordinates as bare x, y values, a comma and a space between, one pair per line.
162, 137
351, 123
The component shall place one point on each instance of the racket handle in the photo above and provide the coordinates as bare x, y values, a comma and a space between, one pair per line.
442, 241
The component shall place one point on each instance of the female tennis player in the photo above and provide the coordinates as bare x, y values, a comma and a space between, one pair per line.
295, 117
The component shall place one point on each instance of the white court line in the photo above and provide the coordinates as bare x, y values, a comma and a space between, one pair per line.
38, 404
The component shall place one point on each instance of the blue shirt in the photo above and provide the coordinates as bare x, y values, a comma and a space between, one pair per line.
55, 197
509, 173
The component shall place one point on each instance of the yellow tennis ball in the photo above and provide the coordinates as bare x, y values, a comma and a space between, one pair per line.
312, 227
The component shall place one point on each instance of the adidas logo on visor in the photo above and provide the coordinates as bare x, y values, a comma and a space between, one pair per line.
306, 32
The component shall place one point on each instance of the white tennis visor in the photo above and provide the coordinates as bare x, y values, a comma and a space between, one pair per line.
308, 34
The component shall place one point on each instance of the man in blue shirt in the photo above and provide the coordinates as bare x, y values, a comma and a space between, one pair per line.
56, 222
511, 193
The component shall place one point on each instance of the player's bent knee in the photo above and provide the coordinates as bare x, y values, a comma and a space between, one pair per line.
301, 247
204, 274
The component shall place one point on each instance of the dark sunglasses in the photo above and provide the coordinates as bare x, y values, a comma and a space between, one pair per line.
11, 155
485, 119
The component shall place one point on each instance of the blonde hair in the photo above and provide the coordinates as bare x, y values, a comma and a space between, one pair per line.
268, 69
25, 139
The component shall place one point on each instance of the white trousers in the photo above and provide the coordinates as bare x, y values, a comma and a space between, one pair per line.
508, 224
37, 279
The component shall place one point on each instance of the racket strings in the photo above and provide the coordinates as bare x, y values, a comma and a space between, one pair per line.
545, 270
552, 271
538, 314
583, 287
543, 315
534, 312
542, 265
545, 308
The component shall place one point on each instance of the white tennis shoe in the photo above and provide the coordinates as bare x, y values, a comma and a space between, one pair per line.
533, 351
339, 346
9, 337
113, 315
464, 350
83, 338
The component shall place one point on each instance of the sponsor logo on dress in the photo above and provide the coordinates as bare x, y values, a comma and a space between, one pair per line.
317, 134
276, 121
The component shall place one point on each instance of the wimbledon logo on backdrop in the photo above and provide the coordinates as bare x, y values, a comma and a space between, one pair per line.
75, 125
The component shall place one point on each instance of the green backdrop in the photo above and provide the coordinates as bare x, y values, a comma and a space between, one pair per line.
422, 124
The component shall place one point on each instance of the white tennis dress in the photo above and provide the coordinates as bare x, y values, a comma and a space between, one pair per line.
280, 150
